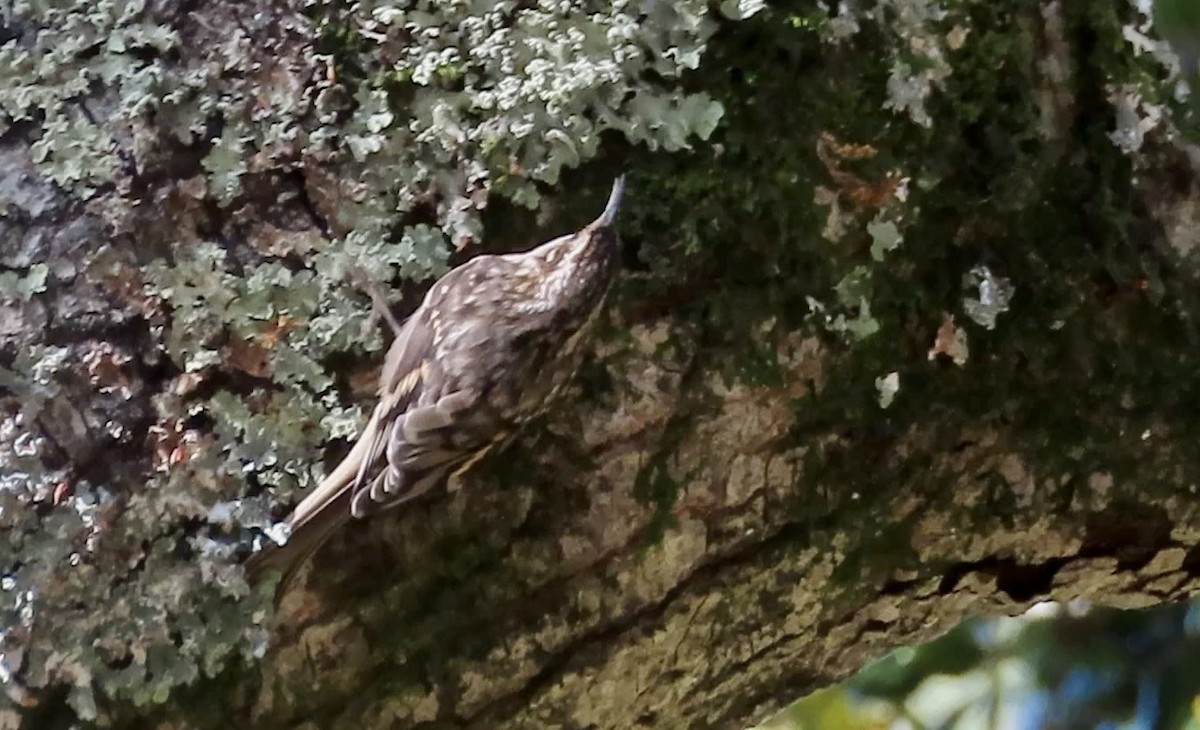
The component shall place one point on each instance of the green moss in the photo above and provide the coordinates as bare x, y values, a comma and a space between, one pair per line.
1082, 364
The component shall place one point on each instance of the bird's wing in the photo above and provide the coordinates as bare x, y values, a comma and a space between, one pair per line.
433, 415
416, 435
327, 507
425, 444
399, 385
405, 376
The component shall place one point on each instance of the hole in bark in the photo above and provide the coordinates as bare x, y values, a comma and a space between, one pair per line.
1131, 533
952, 576
1024, 582
1191, 562
876, 626
895, 587
1020, 581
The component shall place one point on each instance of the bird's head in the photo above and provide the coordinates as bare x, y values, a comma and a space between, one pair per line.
602, 232
577, 266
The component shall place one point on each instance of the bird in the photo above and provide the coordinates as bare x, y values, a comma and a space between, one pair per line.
491, 347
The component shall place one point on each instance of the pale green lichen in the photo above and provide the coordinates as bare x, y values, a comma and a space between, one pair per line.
408, 115
47, 77
508, 95
23, 287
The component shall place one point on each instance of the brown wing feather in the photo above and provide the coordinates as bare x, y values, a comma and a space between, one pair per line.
407, 353
403, 451
422, 446
327, 507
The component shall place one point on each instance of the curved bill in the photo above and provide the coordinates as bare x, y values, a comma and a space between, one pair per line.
609, 216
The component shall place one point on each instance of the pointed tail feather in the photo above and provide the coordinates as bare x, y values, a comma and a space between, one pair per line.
315, 519
303, 543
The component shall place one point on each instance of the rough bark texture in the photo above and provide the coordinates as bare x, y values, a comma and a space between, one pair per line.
724, 517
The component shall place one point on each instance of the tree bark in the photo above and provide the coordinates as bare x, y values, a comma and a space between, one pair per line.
736, 506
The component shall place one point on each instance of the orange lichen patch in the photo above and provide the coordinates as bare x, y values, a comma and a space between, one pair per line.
125, 283
951, 341
188, 382
253, 356
62, 492
173, 445
862, 193
365, 382
165, 439
276, 329
105, 367
250, 357
275, 241
828, 145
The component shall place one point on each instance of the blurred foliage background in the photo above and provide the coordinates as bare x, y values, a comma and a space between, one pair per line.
1059, 667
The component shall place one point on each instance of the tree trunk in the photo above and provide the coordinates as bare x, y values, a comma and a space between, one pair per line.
909, 338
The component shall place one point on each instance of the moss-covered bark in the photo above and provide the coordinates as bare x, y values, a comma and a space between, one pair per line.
908, 338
